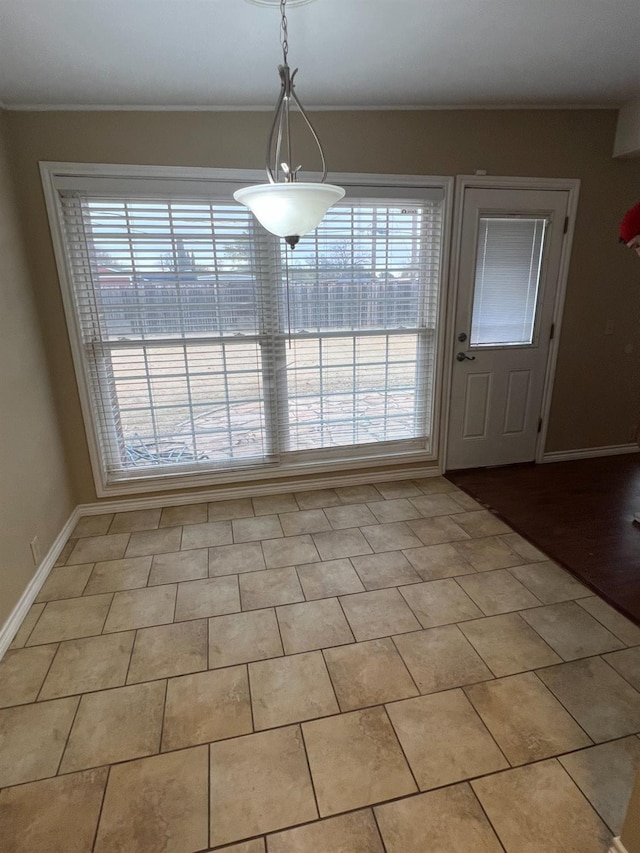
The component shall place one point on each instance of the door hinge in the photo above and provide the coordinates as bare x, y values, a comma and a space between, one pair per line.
566, 225
552, 332
539, 424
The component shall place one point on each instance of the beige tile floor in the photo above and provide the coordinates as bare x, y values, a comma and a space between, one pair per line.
359, 670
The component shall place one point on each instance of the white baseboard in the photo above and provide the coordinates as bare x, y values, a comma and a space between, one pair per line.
246, 490
10, 627
589, 452
617, 847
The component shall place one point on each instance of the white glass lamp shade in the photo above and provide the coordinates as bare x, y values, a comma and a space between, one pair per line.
291, 209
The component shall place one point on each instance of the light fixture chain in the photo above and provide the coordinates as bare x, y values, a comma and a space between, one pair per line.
284, 35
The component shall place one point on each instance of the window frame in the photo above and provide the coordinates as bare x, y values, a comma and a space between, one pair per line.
195, 179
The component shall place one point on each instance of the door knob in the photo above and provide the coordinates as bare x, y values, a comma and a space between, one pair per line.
462, 356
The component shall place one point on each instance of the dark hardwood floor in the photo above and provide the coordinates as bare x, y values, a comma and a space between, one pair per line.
579, 513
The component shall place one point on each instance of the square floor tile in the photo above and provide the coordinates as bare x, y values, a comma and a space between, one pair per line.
368, 673
93, 663
54, 815
434, 562
390, 537
176, 516
447, 820
380, 613
605, 775
570, 631
71, 618
99, 548
289, 551
317, 498
243, 637
139, 608
353, 515
256, 845
391, 568
435, 485
147, 542
157, 803
208, 597
272, 504
435, 531
548, 582
307, 521
539, 808
228, 510
137, 519
627, 663
254, 529
429, 506
206, 535
481, 522
356, 760
179, 566
508, 644
330, 578
400, 509
465, 501
236, 559
441, 658
64, 554
92, 525
440, 602
65, 582
268, 588
341, 543
313, 625
21, 674
32, 739
290, 689
114, 575
168, 650
350, 833
115, 725
488, 553
622, 627
525, 549
497, 592
444, 739
259, 783
207, 706
24, 631
525, 719
392, 489
358, 494
604, 704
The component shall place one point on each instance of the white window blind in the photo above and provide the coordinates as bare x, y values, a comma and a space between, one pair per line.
204, 346
508, 263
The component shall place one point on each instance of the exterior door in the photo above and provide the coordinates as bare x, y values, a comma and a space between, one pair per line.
509, 262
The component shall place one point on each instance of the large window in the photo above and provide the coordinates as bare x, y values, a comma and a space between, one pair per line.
206, 344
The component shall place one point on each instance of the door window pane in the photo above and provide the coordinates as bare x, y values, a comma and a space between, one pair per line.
508, 264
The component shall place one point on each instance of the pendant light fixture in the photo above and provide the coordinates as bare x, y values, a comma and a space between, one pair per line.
285, 206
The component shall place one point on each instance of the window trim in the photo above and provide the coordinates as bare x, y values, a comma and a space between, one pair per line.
349, 459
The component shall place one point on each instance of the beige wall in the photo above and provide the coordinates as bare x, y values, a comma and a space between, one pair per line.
35, 499
596, 395
630, 835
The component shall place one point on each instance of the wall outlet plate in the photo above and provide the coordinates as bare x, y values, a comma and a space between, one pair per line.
35, 550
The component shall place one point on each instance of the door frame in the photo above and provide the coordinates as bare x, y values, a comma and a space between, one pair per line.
463, 182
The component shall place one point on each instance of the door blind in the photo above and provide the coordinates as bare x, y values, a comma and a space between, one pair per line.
207, 345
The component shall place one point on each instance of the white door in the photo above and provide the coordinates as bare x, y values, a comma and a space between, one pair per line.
509, 262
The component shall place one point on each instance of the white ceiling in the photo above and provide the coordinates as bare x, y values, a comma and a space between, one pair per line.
365, 53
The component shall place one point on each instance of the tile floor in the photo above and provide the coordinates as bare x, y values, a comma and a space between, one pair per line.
375, 668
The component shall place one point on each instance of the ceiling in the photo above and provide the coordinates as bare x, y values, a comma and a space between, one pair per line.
352, 53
